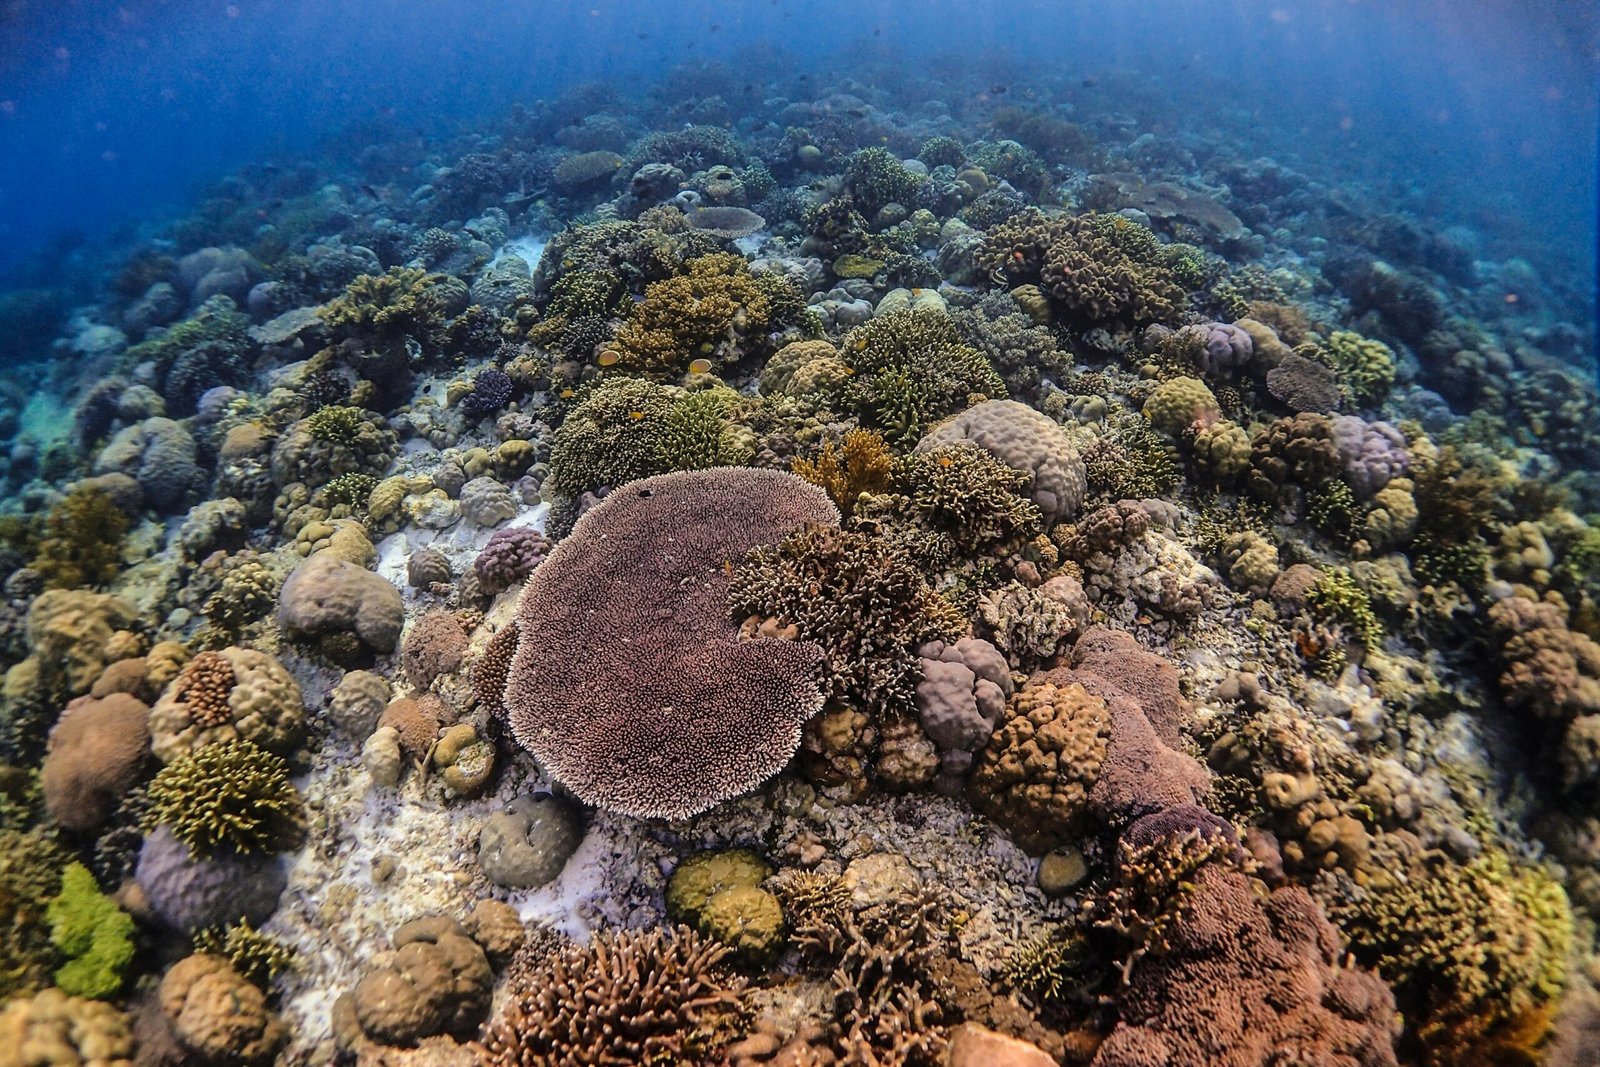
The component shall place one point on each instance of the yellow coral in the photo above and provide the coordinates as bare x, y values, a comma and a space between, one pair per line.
701, 314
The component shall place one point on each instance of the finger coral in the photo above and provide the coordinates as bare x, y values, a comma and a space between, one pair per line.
231, 796
630, 682
910, 369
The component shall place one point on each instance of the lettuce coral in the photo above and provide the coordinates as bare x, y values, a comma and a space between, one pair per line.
94, 935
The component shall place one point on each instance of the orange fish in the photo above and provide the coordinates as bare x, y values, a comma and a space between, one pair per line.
636, 415
566, 394
700, 366
608, 358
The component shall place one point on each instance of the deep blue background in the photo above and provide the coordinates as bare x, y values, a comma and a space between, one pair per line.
112, 111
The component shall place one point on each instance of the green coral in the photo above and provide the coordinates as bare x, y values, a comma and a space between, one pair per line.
234, 795
628, 428
1365, 367
942, 151
93, 934
1331, 507
1132, 462
336, 424
1013, 162
247, 594
82, 543
912, 368
350, 490
1180, 404
217, 321
405, 300
30, 874
1468, 948
876, 177
719, 894
861, 598
1048, 966
258, 957
1336, 598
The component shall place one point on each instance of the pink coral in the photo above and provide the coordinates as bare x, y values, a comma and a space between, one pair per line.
629, 681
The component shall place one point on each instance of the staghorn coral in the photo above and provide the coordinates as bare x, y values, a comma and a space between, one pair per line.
257, 957
911, 368
856, 596
654, 998
968, 497
229, 797
629, 682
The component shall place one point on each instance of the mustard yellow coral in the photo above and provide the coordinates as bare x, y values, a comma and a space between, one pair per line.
702, 314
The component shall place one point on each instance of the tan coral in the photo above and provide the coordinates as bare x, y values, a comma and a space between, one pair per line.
52, 1029
264, 705
217, 1015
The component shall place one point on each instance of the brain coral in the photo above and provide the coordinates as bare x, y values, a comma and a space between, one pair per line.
1024, 440
217, 1015
629, 682
342, 606
255, 699
96, 753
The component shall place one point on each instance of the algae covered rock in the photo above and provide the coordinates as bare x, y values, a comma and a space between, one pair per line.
529, 842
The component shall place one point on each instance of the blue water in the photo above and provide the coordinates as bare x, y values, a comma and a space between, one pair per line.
111, 113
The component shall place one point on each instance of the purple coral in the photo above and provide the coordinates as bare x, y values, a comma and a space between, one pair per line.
1224, 348
491, 389
1373, 453
509, 557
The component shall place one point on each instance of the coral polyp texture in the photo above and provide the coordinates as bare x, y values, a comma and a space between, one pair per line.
629, 681
859, 559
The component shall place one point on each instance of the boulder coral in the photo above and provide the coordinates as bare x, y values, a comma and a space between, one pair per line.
226, 695
345, 611
96, 753
629, 681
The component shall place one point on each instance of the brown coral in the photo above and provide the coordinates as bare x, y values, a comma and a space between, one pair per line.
1035, 775
262, 703
435, 645
628, 998
203, 685
218, 1016
96, 754
629, 682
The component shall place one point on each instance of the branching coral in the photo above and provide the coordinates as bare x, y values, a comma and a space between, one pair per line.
864, 603
82, 544
406, 300
861, 464
655, 998
912, 368
232, 796
715, 311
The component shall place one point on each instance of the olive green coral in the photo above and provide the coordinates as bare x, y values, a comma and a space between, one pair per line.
30, 875
405, 300
716, 311
258, 957
82, 543
628, 428
912, 368
94, 935
234, 795
1365, 366
719, 894
966, 494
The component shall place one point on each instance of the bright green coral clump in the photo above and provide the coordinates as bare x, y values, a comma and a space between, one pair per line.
234, 795
911, 369
1180, 404
82, 544
93, 934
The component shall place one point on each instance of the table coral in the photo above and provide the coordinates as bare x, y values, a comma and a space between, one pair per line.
651, 672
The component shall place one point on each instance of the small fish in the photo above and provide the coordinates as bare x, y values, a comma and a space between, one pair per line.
567, 394
642, 35
370, 191
608, 358
700, 366
635, 415
998, 90
1090, 82
945, 461
716, 27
